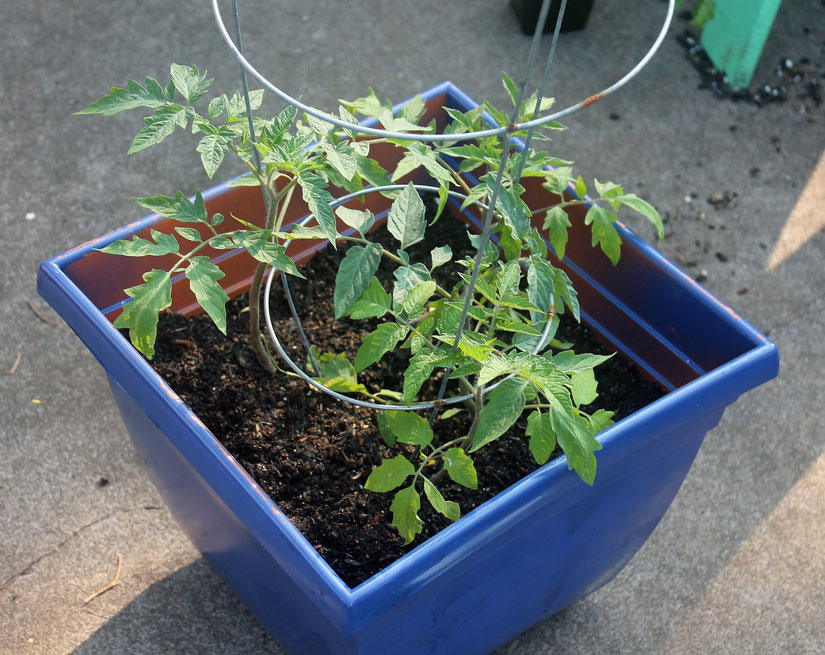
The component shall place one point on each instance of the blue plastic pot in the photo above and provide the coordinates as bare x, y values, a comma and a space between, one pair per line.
530, 551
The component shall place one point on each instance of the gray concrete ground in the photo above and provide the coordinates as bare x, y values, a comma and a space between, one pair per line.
737, 565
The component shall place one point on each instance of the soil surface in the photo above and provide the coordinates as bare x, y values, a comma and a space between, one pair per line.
311, 453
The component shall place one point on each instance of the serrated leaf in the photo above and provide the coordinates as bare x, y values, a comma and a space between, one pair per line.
413, 109
138, 247
407, 277
406, 220
440, 256
541, 288
189, 82
581, 187
203, 278
603, 232
140, 316
577, 442
404, 510
420, 155
383, 339
503, 407
179, 208
354, 276
373, 303
360, 220
600, 420
570, 362
513, 210
341, 157
416, 300
369, 105
507, 280
542, 437
158, 126
371, 171
390, 474
418, 372
318, 200
519, 302
250, 179
212, 147
257, 243
132, 97
409, 428
556, 223
460, 468
510, 87
297, 231
448, 508
645, 209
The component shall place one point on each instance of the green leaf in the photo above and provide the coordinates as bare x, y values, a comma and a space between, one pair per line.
406, 220
203, 278
165, 244
356, 219
189, 233
189, 82
213, 147
140, 316
342, 158
383, 339
258, 244
510, 87
507, 280
570, 362
584, 387
409, 428
179, 208
418, 154
460, 468
645, 209
492, 367
413, 109
318, 200
448, 508
373, 303
504, 405
132, 97
576, 440
581, 187
158, 127
440, 256
600, 420
541, 287
390, 474
372, 172
542, 437
513, 210
384, 429
416, 300
354, 276
406, 278
556, 222
604, 234
367, 106
404, 510
250, 179
565, 289
418, 371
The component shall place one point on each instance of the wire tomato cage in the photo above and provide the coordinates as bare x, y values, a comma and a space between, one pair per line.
504, 132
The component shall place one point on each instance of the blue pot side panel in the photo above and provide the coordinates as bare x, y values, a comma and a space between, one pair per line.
527, 553
225, 542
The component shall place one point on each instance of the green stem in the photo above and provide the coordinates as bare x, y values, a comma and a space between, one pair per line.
255, 338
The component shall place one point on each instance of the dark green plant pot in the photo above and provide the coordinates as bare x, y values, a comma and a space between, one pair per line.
575, 14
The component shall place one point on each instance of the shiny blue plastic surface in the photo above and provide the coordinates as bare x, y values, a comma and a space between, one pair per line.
530, 551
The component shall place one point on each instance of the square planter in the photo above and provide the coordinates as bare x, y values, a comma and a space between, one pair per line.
530, 551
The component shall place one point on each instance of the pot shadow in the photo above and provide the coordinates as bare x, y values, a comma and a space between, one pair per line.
190, 611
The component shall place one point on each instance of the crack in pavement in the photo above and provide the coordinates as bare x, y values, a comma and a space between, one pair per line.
27, 569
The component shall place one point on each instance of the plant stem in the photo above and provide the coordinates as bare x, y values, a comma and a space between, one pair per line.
255, 338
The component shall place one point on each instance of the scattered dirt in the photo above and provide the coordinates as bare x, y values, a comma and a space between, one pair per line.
311, 453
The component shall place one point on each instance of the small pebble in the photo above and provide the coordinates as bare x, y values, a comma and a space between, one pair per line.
30, 216
722, 257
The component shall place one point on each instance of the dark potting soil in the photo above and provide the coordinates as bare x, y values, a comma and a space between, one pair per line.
311, 453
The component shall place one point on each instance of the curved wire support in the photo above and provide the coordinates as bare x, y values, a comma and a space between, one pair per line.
465, 136
273, 337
